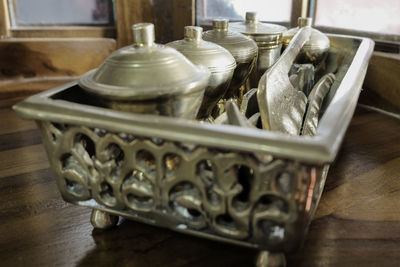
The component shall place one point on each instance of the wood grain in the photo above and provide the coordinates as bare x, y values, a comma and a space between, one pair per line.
13, 91
10, 123
299, 9
28, 58
184, 14
383, 77
168, 17
128, 13
357, 222
22, 160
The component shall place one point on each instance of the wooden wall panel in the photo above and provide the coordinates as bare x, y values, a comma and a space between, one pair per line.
168, 17
49, 57
383, 77
129, 12
184, 14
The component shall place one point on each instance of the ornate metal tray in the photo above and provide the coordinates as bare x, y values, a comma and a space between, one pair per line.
244, 186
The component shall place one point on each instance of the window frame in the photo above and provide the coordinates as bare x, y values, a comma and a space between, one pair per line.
384, 42
299, 9
8, 30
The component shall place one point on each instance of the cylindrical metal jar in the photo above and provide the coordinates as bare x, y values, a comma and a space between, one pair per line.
242, 48
216, 58
269, 41
148, 78
315, 49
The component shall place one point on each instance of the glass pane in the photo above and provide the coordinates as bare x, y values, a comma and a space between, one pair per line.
50, 12
267, 10
380, 16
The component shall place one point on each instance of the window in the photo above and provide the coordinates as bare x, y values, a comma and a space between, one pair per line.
379, 16
60, 12
267, 10
60, 18
376, 19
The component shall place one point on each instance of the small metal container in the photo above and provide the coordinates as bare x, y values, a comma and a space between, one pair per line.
315, 49
268, 38
242, 48
148, 78
216, 58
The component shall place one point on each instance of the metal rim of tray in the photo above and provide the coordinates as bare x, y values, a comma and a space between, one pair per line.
320, 148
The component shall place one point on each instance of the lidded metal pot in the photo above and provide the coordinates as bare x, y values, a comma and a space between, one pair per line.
216, 58
269, 41
148, 78
242, 48
315, 49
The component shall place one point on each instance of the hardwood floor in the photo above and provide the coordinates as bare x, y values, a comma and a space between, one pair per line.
357, 222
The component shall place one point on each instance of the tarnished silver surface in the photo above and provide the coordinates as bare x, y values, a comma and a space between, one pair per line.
282, 106
315, 100
235, 117
242, 48
249, 105
268, 259
216, 58
255, 118
148, 78
231, 195
301, 76
315, 49
103, 220
269, 41
198, 178
222, 118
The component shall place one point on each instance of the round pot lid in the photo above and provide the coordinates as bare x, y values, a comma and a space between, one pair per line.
144, 70
203, 53
242, 48
251, 26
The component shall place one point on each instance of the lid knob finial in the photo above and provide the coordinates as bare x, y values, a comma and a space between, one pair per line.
143, 34
251, 17
220, 24
193, 33
304, 21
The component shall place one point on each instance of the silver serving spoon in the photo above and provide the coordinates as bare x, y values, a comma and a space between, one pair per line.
315, 100
282, 107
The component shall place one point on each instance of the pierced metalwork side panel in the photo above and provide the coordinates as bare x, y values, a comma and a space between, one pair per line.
251, 198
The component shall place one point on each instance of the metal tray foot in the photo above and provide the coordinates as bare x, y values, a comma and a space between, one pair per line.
103, 220
268, 259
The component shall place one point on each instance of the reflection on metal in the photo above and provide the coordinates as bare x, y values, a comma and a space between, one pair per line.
103, 220
315, 100
221, 119
301, 76
235, 117
238, 185
216, 58
269, 41
242, 48
315, 49
249, 105
267, 259
255, 118
250, 198
148, 78
282, 106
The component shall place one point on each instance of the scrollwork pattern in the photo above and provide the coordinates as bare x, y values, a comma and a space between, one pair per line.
231, 194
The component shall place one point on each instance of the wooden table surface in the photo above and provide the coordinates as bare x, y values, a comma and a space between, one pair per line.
357, 222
